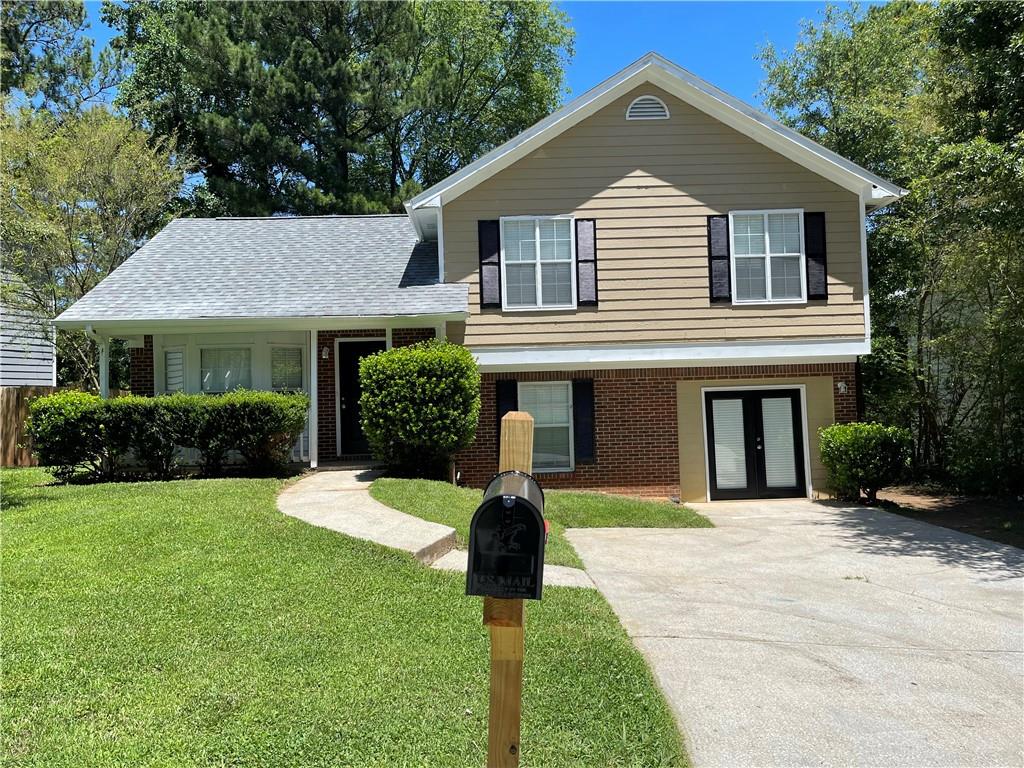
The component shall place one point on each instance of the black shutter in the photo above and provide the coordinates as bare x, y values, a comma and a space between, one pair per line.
490, 264
718, 258
814, 244
507, 399
583, 421
586, 263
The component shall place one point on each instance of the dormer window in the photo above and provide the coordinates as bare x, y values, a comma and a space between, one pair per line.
647, 108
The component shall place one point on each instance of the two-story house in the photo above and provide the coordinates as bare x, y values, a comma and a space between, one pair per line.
672, 283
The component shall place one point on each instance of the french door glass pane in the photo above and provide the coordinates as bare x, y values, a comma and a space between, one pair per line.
748, 235
556, 283
779, 458
730, 452
286, 368
225, 369
750, 278
521, 285
786, 277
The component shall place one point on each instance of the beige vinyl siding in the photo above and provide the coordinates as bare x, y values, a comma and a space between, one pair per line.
651, 184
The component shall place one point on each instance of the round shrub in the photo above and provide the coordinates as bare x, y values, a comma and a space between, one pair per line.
262, 426
65, 432
863, 457
420, 405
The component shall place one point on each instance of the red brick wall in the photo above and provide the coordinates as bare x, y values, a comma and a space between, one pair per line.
635, 423
403, 337
326, 396
140, 368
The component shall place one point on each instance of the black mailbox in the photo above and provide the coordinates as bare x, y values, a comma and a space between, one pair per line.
506, 539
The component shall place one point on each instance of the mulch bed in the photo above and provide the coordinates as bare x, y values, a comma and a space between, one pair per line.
994, 519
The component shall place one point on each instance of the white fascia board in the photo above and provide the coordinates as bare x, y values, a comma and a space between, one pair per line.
499, 359
699, 93
122, 327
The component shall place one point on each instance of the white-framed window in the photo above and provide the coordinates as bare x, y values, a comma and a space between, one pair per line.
225, 368
286, 371
538, 262
768, 256
550, 404
174, 370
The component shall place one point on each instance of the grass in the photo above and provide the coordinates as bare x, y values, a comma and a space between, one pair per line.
447, 504
190, 623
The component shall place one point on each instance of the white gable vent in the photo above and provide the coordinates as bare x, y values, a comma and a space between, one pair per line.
647, 108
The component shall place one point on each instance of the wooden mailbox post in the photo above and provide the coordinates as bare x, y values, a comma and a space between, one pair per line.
504, 618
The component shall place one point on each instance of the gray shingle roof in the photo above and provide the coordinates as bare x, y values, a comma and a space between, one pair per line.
322, 266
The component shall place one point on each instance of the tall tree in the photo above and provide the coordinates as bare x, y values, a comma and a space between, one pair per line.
47, 57
79, 196
930, 96
337, 107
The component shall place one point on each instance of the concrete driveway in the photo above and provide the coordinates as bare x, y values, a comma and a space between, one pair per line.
800, 634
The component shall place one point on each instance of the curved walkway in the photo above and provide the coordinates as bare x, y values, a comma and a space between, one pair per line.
340, 501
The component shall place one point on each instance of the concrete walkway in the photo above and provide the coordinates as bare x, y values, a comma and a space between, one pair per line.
339, 499
799, 634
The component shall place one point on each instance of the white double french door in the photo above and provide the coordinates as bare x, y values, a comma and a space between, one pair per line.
755, 444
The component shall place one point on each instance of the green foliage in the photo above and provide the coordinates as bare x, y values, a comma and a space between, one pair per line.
932, 96
448, 504
47, 59
342, 107
197, 625
420, 405
74, 431
80, 195
262, 426
65, 432
863, 457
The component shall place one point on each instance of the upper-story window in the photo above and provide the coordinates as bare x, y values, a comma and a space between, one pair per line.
767, 256
537, 262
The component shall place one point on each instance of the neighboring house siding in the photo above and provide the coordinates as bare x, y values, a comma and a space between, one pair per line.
651, 184
26, 350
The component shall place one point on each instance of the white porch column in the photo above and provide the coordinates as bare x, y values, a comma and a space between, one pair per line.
313, 426
104, 345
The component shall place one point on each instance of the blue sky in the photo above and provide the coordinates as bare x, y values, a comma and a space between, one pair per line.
715, 40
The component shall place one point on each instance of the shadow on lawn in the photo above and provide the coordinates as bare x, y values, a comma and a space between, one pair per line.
878, 532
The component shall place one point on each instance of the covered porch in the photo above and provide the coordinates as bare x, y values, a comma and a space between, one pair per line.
321, 360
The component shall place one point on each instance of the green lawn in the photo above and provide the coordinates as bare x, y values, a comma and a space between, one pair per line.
190, 623
450, 505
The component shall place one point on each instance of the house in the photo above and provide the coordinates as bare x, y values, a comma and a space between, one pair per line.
27, 356
28, 368
672, 283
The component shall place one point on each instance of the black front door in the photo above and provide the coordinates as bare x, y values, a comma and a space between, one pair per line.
351, 440
755, 444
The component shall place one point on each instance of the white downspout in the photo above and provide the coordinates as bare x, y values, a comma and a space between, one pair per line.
313, 424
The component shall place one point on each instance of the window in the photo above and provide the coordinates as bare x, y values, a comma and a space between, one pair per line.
767, 256
224, 369
174, 370
537, 263
286, 369
550, 404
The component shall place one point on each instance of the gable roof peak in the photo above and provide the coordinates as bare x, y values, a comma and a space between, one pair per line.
654, 68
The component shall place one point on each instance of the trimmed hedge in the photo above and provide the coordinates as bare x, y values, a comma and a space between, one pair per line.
76, 432
420, 405
863, 457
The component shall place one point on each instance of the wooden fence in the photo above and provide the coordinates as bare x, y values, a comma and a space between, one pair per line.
13, 412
